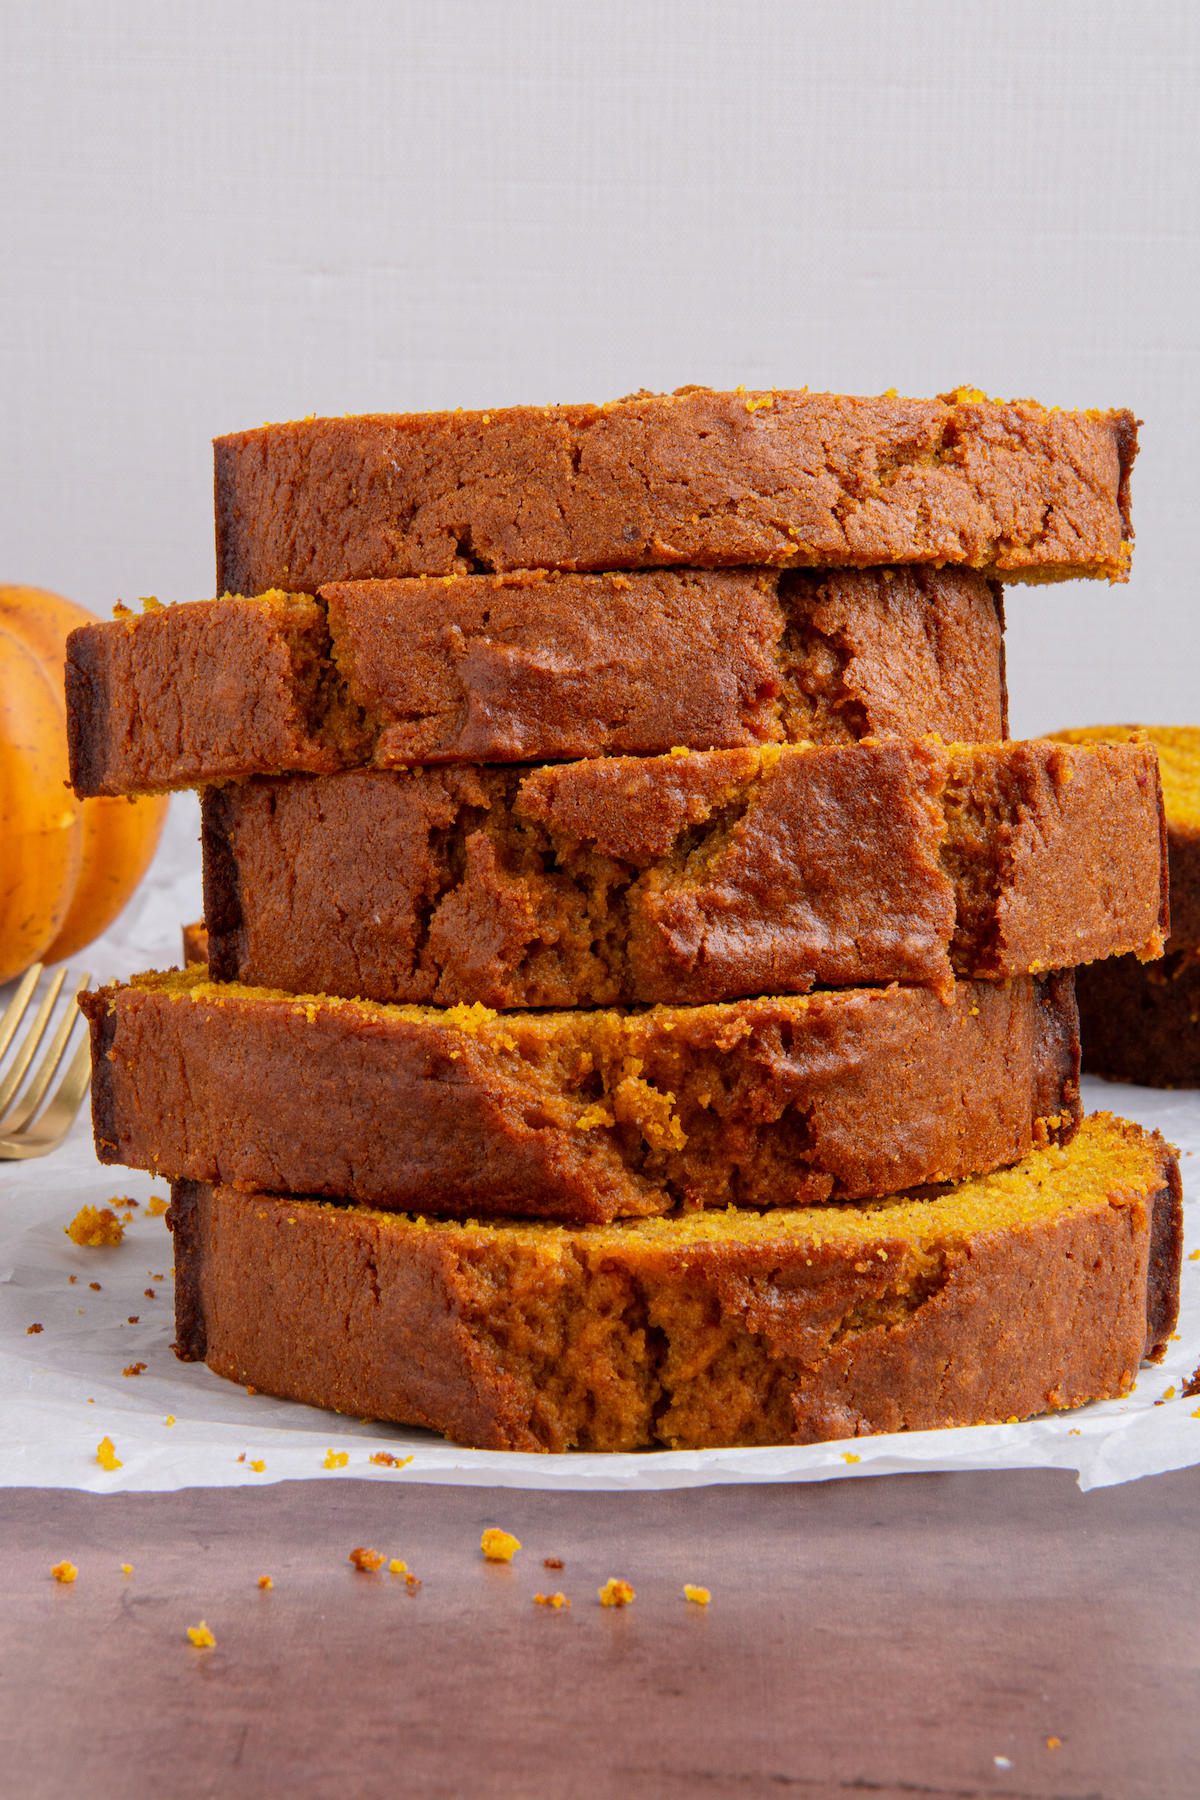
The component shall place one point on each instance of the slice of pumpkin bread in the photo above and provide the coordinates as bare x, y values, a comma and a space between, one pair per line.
687, 878
1014, 1294
1143, 1023
530, 667
579, 1115
695, 477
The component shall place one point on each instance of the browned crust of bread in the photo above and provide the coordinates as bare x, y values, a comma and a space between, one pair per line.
1165, 1263
697, 477
194, 938
1141, 1022
687, 879
796, 1327
531, 667
583, 1116
1183, 860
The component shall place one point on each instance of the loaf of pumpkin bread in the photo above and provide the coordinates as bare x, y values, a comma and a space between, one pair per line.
697, 477
1142, 1022
1011, 1295
583, 1116
687, 878
531, 667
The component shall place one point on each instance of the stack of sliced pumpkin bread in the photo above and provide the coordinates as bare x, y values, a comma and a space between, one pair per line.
639, 1000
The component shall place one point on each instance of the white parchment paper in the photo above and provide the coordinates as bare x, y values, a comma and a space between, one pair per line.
64, 1388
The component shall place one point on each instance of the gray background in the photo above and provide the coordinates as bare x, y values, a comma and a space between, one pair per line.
236, 210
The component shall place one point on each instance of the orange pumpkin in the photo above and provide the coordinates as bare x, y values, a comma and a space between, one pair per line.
67, 867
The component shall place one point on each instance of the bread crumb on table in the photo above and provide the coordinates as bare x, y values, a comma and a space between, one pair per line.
134, 1369
64, 1571
156, 1207
616, 1593
367, 1560
497, 1545
555, 1600
700, 1595
552, 1562
93, 1226
32, 1330
264, 1581
201, 1636
127, 1568
396, 1567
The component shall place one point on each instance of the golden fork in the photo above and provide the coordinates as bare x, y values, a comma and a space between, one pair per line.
19, 1135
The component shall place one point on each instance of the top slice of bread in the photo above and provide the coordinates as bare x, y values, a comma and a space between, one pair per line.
696, 477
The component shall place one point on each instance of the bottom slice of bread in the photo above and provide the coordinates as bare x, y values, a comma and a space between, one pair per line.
1009, 1295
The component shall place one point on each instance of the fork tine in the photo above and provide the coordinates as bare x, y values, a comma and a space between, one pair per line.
57, 1119
32, 1039
19, 1115
14, 1011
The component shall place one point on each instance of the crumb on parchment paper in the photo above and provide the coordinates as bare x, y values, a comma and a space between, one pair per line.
64, 1571
94, 1226
499, 1546
616, 1593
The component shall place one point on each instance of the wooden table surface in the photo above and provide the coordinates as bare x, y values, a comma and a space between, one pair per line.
889, 1637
